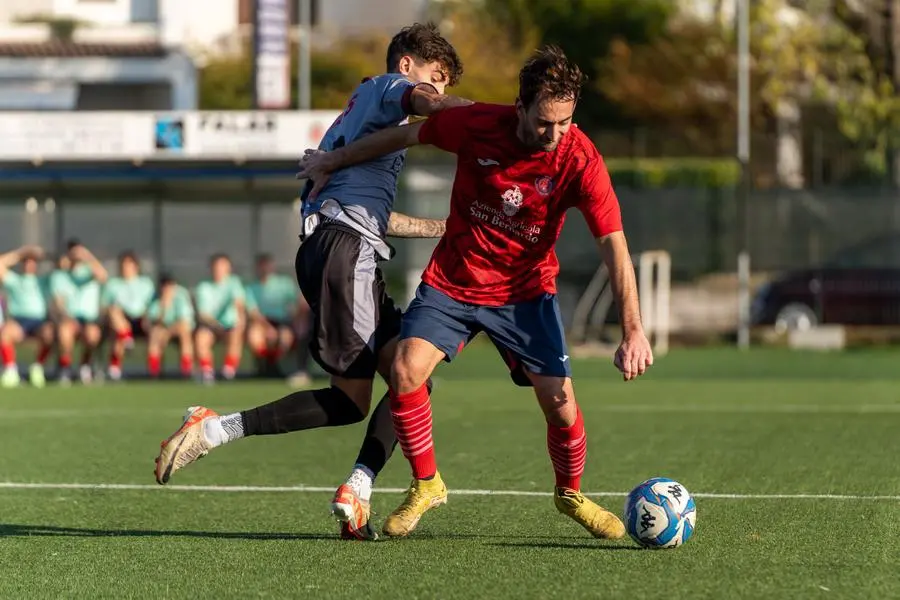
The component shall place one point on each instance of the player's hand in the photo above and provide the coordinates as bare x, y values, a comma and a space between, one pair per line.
81, 253
316, 165
634, 355
32, 251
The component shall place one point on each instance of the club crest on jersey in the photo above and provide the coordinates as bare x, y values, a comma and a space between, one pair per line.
512, 201
544, 185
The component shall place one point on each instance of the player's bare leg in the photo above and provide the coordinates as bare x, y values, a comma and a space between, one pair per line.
411, 411
567, 445
122, 338
258, 335
182, 331
234, 347
11, 335
302, 329
91, 336
282, 343
67, 332
158, 340
204, 339
45, 338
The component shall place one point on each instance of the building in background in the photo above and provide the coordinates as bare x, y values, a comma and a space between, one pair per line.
91, 55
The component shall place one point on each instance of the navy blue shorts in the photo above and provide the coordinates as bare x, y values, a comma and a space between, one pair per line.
529, 335
29, 326
279, 324
137, 326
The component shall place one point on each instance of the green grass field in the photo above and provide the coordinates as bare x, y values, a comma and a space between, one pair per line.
762, 428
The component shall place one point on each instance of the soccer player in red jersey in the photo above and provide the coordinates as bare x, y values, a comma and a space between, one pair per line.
519, 169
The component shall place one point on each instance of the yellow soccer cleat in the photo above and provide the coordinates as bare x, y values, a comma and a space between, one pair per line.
593, 517
185, 445
422, 496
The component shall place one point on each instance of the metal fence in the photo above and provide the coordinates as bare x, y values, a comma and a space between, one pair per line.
178, 232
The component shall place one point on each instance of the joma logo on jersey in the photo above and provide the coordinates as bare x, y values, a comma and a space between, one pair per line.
512, 201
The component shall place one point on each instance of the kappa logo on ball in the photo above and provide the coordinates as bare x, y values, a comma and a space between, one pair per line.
544, 185
512, 201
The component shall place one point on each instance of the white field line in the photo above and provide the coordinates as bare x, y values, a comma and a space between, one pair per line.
12, 485
636, 408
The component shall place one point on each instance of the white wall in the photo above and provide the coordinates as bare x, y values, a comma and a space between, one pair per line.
197, 22
111, 12
10, 9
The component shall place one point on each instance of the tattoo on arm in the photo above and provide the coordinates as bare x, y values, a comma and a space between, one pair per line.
403, 226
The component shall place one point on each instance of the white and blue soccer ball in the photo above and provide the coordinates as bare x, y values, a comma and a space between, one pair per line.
660, 513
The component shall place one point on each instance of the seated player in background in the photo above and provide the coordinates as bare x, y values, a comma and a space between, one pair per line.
519, 170
125, 300
170, 315
220, 317
27, 314
75, 290
272, 302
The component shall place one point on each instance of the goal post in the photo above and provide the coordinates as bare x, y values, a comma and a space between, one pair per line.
654, 279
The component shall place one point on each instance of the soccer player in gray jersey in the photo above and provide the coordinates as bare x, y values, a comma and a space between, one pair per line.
356, 323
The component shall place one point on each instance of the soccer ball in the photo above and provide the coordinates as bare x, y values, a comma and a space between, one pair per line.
660, 513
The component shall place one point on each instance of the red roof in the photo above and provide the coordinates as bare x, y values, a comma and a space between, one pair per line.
63, 49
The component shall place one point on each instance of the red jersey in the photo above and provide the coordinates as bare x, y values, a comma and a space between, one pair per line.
508, 205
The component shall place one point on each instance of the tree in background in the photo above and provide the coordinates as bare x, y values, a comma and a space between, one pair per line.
226, 82
586, 30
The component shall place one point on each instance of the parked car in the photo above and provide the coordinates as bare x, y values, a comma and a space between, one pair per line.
858, 286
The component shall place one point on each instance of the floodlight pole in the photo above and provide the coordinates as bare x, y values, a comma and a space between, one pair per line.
304, 21
743, 155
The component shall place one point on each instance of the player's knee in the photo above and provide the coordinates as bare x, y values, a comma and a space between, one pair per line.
406, 376
557, 400
357, 391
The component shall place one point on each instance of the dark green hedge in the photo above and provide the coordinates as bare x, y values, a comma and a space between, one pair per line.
674, 172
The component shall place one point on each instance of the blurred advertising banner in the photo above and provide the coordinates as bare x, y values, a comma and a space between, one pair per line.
213, 135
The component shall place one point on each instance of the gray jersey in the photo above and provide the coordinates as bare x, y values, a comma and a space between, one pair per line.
366, 191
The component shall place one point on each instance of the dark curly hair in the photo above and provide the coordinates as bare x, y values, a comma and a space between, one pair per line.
425, 42
549, 75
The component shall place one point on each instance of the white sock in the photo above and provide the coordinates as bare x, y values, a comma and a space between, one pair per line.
361, 480
221, 430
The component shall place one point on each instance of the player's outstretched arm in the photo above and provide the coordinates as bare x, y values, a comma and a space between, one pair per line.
404, 226
97, 269
317, 164
635, 354
14, 257
425, 101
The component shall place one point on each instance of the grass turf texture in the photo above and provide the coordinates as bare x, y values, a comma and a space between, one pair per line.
768, 422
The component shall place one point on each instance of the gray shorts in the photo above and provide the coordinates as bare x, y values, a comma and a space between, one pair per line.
353, 315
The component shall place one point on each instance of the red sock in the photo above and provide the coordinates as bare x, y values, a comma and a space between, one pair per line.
154, 364
274, 355
65, 361
261, 352
187, 364
568, 452
124, 335
8, 352
206, 364
412, 424
43, 353
115, 361
231, 362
